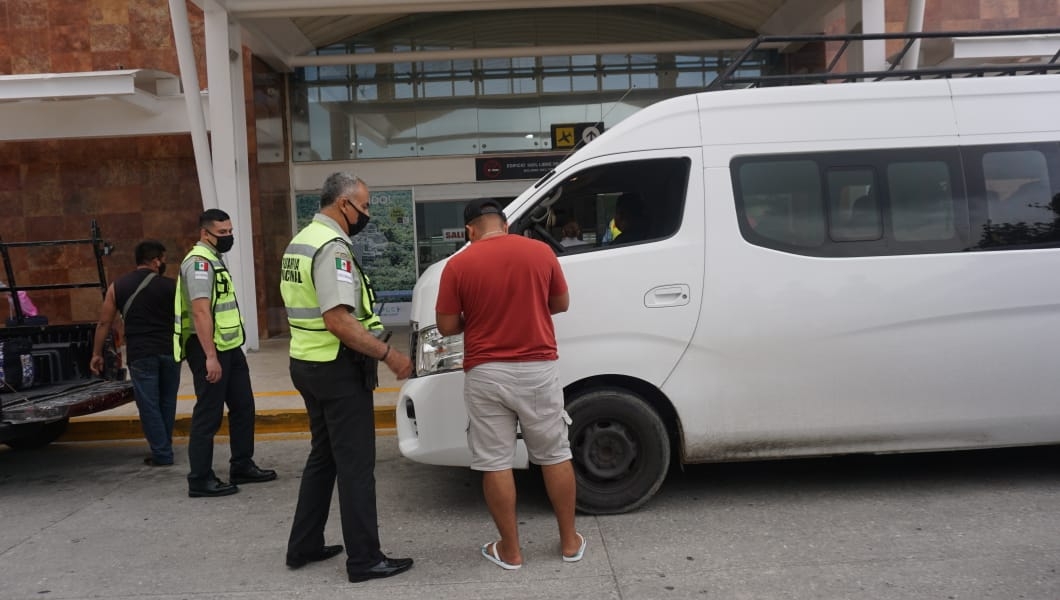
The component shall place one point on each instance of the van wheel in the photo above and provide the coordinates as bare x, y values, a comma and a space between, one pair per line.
37, 435
621, 450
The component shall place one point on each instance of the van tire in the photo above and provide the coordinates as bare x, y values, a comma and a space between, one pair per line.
621, 450
37, 435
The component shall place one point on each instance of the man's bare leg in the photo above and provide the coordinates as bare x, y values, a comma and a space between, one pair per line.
499, 489
560, 485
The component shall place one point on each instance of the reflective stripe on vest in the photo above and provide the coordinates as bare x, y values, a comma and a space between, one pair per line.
227, 322
310, 339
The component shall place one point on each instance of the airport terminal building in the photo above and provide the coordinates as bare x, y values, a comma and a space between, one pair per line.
431, 103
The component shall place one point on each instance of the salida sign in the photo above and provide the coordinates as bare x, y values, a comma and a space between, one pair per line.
453, 235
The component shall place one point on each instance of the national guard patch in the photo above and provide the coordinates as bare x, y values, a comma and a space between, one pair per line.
343, 269
202, 269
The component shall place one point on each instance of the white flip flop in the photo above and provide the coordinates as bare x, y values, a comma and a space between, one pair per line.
495, 558
577, 555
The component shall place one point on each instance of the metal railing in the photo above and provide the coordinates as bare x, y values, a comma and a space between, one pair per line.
730, 78
99, 250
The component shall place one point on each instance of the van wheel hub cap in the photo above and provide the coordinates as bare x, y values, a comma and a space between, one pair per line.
608, 450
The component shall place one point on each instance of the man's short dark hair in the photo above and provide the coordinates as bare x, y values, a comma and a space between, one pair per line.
148, 250
630, 205
211, 216
336, 185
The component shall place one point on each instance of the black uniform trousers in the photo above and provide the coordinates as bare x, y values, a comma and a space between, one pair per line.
233, 389
338, 400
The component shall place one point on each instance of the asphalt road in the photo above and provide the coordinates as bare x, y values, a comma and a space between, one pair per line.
88, 520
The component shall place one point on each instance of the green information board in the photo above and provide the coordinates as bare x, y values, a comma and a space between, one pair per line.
386, 248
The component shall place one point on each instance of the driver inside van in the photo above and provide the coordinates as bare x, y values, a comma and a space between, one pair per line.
630, 219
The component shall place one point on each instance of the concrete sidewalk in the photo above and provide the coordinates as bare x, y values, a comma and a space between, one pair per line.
279, 405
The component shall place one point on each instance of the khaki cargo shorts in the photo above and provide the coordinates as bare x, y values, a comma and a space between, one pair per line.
501, 395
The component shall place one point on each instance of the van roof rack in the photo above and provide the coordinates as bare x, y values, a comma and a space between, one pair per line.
1024, 52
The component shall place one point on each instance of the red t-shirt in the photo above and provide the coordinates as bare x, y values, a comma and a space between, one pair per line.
502, 285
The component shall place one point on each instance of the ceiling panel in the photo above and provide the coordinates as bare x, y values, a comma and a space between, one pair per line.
319, 23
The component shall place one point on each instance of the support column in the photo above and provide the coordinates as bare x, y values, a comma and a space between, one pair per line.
231, 165
914, 23
189, 79
867, 16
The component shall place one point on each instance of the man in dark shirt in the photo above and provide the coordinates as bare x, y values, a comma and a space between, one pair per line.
145, 301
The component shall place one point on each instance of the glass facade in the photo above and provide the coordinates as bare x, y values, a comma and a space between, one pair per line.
471, 107
479, 106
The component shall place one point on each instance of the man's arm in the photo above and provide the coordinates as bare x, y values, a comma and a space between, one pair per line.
449, 324
558, 304
202, 318
450, 319
106, 320
343, 325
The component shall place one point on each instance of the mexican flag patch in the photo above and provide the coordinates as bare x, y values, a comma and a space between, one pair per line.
200, 269
343, 269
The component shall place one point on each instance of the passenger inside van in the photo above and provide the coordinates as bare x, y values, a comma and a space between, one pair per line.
864, 221
572, 235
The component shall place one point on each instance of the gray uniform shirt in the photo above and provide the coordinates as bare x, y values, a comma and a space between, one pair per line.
334, 272
197, 276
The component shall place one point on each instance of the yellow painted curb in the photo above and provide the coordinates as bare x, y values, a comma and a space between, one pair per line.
94, 429
378, 390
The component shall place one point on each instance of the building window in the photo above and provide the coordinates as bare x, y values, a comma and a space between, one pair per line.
424, 108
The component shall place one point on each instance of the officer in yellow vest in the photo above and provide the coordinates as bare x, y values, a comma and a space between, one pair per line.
208, 331
337, 344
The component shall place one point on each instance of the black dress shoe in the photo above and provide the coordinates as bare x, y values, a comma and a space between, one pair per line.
251, 474
211, 489
151, 462
297, 561
388, 567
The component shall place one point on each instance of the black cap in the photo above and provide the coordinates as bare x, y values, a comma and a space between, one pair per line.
482, 206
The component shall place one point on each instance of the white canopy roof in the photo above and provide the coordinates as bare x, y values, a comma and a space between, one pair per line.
91, 104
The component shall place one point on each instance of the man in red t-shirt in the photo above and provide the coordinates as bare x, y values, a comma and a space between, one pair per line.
501, 292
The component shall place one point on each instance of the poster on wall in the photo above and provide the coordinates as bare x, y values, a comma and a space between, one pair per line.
385, 248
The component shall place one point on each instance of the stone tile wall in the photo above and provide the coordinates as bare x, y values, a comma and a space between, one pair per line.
958, 15
135, 188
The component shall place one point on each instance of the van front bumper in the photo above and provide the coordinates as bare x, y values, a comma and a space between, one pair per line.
432, 422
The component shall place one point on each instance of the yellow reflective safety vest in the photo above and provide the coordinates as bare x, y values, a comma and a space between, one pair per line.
227, 322
310, 339
611, 232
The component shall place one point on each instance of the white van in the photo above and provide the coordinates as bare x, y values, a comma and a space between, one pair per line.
863, 267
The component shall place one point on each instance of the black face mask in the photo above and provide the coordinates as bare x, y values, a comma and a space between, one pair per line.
225, 242
362, 221
161, 269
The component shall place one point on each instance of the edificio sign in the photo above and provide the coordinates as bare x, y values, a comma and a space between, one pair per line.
533, 166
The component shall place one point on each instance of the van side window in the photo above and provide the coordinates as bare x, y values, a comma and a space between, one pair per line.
853, 208
854, 203
921, 201
782, 201
1022, 201
610, 206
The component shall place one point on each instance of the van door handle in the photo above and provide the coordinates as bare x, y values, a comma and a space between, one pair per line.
667, 295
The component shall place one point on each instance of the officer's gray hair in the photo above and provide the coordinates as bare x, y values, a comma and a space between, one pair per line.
337, 185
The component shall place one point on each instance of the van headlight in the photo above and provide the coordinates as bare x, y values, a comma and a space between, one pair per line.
437, 353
